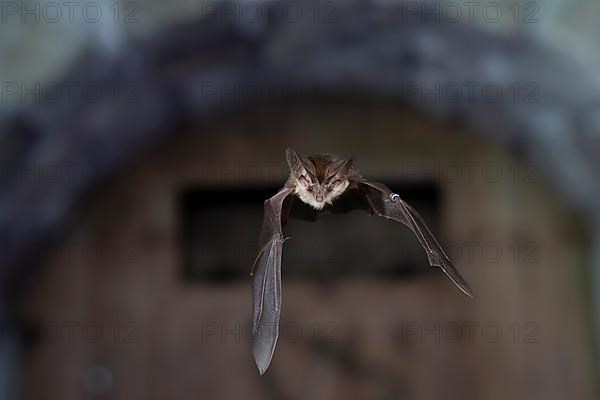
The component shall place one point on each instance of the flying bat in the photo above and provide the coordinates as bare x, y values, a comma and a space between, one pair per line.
326, 184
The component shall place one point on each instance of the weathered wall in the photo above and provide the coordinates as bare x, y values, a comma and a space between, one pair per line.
372, 354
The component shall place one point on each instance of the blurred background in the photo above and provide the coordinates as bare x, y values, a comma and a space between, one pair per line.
139, 139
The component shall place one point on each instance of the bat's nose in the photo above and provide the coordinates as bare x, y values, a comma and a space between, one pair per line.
319, 197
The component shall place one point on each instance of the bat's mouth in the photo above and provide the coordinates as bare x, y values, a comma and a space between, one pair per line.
319, 204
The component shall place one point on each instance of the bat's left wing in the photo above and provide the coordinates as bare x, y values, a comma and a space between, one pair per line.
266, 283
385, 203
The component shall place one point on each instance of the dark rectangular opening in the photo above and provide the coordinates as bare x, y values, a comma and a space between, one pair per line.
220, 229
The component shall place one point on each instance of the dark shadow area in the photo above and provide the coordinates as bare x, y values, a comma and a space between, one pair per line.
220, 228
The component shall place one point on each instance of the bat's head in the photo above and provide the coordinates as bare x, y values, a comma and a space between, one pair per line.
318, 179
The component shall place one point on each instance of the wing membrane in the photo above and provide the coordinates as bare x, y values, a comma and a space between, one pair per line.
266, 283
386, 203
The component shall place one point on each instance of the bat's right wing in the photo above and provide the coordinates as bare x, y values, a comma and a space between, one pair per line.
266, 283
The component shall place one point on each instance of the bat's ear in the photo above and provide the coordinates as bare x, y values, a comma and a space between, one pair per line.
346, 167
293, 160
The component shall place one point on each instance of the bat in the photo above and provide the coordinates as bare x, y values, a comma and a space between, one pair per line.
319, 181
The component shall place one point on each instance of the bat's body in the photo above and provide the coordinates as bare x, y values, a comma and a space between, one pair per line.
320, 181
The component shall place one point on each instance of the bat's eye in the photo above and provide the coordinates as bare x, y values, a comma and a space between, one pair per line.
310, 188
